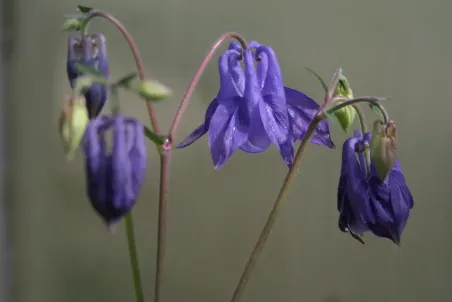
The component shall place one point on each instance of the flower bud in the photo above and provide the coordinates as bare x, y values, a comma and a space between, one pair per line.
72, 24
72, 124
153, 90
114, 175
383, 148
89, 51
345, 115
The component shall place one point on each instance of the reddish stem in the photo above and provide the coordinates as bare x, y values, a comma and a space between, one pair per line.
164, 155
165, 149
165, 161
194, 82
290, 176
136, 55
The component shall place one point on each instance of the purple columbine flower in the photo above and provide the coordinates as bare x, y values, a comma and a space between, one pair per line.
114, 177
253, 109
365, 203
92, 52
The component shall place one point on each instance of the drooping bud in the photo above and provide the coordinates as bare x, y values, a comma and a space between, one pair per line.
72, 24
90, 51
153, 90
345, 115
72, 124
114, 175
383, 147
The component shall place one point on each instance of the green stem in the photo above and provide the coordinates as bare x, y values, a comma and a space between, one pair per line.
85, 24
134, 258
374, 101
362, 122
361, 118
266, 231
115, 104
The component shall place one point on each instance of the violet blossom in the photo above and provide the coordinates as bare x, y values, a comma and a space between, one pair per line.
114, 177
253, 109
92, 53
366, 203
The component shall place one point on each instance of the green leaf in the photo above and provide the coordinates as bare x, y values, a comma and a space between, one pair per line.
88, 70
322, 82
157, 139
126, 80
84, 9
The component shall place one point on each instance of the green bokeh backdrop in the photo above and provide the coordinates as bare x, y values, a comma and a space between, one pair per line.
61, 250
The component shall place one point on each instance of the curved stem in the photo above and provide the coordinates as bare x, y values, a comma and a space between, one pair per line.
133, 48
134, 258
374, 101
361, 118
363, 124
165, 148
165, 161
197, 76
265, 233
290, 176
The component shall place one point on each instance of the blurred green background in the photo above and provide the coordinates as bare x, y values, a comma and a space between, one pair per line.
61, 251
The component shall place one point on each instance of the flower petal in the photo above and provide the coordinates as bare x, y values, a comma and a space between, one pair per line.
273, 109
228, 130
302, 110
349, 218
91, 145
254, 44
137, 156
230, 123
231, 75
356, 185
121, 167
262, 68
234, 45
72, 58
97, 163
202, 129
258, 140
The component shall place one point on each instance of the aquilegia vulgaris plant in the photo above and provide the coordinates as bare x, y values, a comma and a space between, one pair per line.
252, 111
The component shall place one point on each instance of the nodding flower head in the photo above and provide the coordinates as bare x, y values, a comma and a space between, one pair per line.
253, 109
365, 202
90, 51
114, 177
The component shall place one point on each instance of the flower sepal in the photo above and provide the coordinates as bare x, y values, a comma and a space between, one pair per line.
383, 147
72, 124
